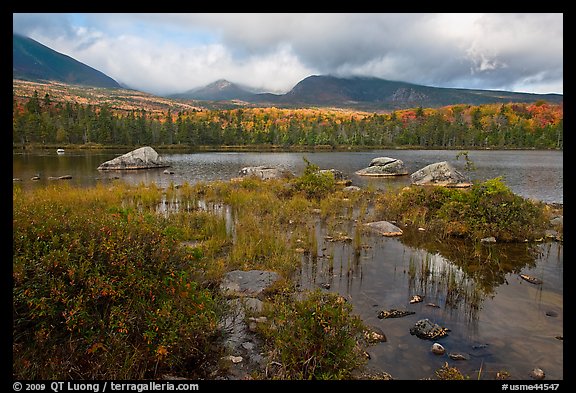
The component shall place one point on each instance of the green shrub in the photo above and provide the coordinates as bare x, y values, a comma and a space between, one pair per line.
486, 209
313, 183
315, 338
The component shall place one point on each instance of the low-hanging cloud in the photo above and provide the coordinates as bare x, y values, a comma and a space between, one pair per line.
170, 53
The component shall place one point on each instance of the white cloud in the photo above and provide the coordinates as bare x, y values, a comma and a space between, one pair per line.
166, 53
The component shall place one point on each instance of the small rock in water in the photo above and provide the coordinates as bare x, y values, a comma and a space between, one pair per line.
416, 299
537, 373
457, 356
427, 330
438, 349
530, 279
374, 335
393, 313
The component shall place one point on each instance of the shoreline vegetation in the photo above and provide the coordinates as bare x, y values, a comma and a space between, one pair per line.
122, 282
250, 148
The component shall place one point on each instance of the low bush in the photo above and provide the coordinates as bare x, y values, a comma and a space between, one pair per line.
488, 208
100, 290
314, 338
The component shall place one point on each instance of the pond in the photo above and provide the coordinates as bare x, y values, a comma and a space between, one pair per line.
497, 320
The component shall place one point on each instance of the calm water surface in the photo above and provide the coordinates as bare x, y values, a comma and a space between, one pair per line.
532, 174
497, 320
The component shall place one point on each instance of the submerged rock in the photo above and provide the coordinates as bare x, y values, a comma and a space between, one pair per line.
531, 279
393, 313
384, 166
384, 228
458, 356
142, 158
440, 174
537, 373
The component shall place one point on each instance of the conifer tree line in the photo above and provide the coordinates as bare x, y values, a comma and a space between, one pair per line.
39, 120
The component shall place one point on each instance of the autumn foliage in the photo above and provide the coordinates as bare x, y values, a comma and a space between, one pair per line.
40, 120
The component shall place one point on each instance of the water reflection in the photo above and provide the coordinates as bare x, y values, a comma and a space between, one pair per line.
475, 291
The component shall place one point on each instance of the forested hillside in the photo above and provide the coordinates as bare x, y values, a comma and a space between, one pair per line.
40, 120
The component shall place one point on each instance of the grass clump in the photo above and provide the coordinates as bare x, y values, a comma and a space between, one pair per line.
447, 373
314, 338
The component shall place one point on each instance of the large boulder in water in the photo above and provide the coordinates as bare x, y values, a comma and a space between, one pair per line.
384, 228
142, 158
264, 172
384, 166
440, 174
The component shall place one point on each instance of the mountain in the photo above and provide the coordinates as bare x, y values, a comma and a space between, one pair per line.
373, 92
221, 90
35, 62
362, 93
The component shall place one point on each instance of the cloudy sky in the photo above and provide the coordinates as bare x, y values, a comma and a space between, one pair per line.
171, 53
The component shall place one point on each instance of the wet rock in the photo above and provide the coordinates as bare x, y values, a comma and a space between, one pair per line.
384, 228
338, 175
531, 279
384, 166
374, 335
142, 158
559, 220
64, 177
457, 356
416, 299
537, 373
440, 174
247, 283
552, 234
427, 330
438, 349
393, 313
